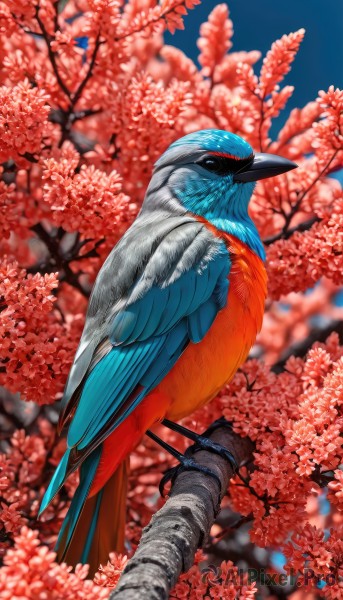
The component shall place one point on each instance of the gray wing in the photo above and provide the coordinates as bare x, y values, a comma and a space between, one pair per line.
156, 250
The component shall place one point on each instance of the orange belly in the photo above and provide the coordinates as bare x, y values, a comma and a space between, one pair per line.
205, 368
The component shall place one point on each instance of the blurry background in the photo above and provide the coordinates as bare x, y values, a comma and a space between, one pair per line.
258, 23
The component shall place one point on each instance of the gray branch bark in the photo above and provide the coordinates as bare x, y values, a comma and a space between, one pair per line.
183, 524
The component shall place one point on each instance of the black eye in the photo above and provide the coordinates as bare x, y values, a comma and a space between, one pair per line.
211, 164
223, 165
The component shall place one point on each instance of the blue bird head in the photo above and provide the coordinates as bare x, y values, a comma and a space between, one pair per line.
211, 174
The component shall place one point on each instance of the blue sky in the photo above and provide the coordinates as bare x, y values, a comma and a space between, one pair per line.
257, 23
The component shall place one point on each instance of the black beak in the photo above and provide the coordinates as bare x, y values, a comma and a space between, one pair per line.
263, 166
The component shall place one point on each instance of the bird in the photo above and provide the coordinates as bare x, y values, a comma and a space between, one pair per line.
173, 313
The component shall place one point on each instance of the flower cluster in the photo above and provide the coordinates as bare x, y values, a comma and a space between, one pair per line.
36, 345
30, 571
23, 135
89, 98
318, 560
85, 199
221, 582
215, 39
24, 472
108, 575
295, 420
308, 257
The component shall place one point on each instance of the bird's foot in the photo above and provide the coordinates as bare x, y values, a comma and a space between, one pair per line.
187, 463
202, 442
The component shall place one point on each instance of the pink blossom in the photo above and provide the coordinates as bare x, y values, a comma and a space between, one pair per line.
30, 571
215, 38
81, 131
24, 134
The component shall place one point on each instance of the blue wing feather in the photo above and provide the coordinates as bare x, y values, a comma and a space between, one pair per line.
129, 379
201, 320
157, 308
56, 481
147, 336
88, 470
173, 309
173, 347
148, 344
134, 323
111, 380
123, 326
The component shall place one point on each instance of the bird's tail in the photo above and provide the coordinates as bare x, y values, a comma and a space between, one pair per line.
95, 526
95, 522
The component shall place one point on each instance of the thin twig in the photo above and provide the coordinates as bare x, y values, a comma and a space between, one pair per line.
52, 54
286, 233
301, 348
78, 93
56, 260
320, 174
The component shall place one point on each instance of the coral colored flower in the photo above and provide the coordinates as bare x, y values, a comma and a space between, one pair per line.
278, 60
215, 38
89, 98
23, 120
36, 347
108, 575
30, 571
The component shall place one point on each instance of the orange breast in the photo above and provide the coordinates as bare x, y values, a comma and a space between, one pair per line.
204, 368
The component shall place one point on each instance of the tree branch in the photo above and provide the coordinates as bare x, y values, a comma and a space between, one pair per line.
169, 542
286, 232
52, 54
317, 334
285, 235
76, 97
56, 260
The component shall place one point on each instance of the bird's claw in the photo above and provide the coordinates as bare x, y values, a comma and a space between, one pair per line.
204, 443
201, 442
187, 463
